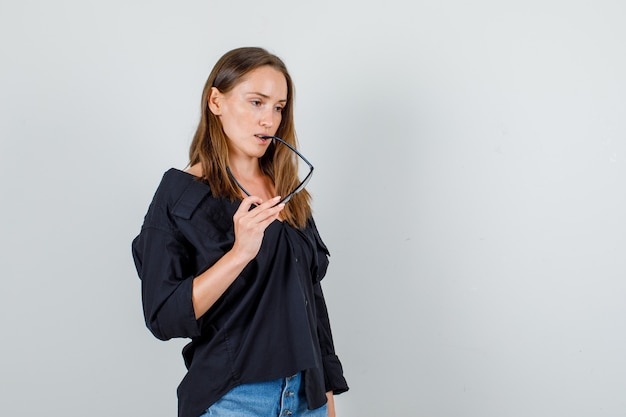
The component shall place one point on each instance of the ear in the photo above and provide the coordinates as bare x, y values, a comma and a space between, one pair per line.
214, 101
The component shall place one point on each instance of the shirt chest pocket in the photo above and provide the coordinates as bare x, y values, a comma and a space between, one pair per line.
321, 252
205, 221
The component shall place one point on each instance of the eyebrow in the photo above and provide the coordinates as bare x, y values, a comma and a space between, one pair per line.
266, 96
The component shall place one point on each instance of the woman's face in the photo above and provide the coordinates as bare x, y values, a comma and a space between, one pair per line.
253, 107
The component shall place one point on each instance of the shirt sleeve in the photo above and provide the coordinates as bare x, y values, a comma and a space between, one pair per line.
166, 285
333, 370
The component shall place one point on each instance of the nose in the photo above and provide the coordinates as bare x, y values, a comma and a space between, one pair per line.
267, 119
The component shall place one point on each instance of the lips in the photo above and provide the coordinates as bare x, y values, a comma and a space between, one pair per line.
263, 139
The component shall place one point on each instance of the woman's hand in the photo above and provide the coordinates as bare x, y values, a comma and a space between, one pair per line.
250, 225
330, 405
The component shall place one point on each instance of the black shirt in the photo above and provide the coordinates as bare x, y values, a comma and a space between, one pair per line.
271, 322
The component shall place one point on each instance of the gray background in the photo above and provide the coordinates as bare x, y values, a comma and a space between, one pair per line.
470, 165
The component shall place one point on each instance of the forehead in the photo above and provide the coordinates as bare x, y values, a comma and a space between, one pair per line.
266, 81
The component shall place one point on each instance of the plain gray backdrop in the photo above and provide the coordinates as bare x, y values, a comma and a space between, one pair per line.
470, 183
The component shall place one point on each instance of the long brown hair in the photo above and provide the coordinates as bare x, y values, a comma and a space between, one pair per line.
210, 147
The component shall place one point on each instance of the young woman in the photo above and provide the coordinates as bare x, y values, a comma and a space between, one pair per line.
226, 261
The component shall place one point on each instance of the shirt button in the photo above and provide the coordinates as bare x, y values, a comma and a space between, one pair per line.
289, 394
296, 259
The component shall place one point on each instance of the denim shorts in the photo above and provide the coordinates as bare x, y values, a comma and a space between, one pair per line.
276, 398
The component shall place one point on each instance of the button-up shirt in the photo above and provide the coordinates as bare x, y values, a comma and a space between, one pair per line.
272, 321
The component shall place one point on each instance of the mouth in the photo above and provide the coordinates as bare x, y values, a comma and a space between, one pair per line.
264, 139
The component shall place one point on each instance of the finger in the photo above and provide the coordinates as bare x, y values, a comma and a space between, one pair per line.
261, 208
268, 209
248, 202
271, 202
264, 222
269, 215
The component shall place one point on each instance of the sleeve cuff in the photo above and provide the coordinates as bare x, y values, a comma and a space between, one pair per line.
333, 375
178, 317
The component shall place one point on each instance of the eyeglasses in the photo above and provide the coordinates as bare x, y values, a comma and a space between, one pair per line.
302, 184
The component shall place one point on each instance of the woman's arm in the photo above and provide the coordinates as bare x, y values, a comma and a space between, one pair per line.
250, 227
173, 301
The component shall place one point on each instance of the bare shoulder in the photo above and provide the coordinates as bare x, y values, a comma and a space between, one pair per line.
195, 169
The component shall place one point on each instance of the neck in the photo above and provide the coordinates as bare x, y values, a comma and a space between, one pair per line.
245, 168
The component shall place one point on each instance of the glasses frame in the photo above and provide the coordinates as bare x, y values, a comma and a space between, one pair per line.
302, 184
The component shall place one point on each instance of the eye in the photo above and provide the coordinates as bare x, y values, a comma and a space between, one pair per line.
279, 109
255, 103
